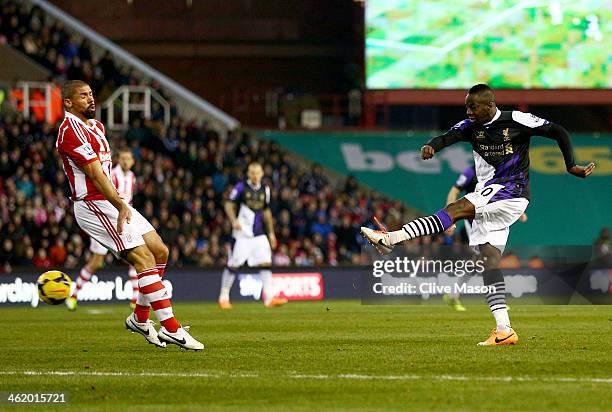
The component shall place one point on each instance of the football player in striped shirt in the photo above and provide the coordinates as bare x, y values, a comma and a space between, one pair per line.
124, 180
99, 210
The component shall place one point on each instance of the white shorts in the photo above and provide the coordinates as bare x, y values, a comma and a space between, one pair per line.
492, 221
468, 228
255, 251
96, 247
98, 218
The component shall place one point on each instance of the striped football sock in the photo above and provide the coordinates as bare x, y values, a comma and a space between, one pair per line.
83, 278
497, 304
161, 268
155, 294
133, 276
428, 225
142, 305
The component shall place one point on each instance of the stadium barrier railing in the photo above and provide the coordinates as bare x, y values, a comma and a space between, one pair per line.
190, 106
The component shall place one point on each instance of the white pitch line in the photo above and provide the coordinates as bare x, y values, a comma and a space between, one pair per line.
347, 376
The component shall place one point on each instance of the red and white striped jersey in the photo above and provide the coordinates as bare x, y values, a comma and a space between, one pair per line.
79, 144
125, 182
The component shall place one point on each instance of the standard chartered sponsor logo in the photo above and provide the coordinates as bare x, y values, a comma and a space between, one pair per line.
359, 160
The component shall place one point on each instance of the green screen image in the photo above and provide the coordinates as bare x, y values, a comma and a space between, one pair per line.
513, 44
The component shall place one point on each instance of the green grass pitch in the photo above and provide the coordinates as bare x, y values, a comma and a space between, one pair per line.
313, 356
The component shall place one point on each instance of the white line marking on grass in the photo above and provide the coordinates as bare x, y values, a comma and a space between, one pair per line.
347, 376
98, 311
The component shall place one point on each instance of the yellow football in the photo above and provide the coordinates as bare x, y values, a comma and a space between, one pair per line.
53, 287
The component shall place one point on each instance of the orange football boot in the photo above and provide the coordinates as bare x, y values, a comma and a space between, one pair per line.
500, 338
225, 304
276, 302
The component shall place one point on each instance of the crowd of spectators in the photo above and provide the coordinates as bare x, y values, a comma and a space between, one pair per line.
183, 177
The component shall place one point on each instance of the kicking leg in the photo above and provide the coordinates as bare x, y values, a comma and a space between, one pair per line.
428, 225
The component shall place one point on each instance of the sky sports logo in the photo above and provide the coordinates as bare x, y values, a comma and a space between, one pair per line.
292, 286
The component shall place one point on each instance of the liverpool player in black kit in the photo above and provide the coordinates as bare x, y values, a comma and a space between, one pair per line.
500, 141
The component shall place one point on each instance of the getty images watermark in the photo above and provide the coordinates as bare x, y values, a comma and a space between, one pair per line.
403, 276
545, 274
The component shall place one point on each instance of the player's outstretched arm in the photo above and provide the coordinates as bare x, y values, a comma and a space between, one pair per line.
438, 143
564, 141
582, 171
94, 171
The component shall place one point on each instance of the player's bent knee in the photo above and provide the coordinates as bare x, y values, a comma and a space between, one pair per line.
157, 246
160, 251
141, 258
492, 255
461, 209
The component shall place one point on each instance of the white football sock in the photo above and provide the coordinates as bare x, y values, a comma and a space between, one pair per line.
422, 226
266, 280
497, 304
502, 319
227, 280
398, 236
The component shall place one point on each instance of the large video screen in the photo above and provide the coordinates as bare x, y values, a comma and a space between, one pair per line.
516, 44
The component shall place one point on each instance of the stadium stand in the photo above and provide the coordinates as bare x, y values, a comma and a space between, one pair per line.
184, 172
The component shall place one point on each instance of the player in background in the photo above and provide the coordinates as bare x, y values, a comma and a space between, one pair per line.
124, 180
105, 217
248, 209
500, 143
466, 183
